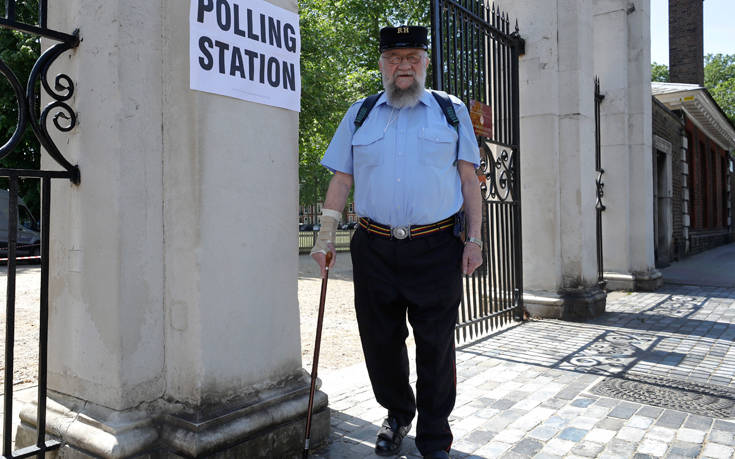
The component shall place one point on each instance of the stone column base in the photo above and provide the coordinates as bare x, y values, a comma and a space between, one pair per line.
646, 281
271, 425
568, 304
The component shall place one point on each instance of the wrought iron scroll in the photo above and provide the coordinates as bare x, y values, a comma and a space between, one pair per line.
498, 175
599, 186
62, 115
475, 54
59, 113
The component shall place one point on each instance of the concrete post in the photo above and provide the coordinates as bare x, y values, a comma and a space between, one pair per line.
622, 61
174, 323
557, 159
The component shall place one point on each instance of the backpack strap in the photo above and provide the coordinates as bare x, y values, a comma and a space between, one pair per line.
365, 108
446, 104
448, 108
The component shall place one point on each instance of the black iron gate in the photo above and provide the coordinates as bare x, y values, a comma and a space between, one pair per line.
63, 119
599, 206
475, 57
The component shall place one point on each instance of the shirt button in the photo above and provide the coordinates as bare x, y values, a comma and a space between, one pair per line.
398, 180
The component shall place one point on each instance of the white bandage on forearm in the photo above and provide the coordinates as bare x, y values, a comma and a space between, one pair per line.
328, 231
336, 215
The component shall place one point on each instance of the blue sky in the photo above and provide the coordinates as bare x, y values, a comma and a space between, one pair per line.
719, 29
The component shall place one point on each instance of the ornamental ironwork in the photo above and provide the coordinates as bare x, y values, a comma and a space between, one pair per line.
59, 115
475, 52
62, 115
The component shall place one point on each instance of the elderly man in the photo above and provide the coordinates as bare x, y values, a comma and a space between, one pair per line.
414, 176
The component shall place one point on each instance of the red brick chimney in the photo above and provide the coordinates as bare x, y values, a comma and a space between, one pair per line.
686, 42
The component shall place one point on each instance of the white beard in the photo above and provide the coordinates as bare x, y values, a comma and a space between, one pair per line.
408, 97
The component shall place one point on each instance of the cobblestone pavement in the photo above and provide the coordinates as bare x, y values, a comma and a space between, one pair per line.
653, 377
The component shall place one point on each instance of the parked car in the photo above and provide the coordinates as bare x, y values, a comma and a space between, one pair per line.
29, 238
306, 227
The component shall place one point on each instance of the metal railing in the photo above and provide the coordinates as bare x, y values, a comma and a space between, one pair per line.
475, 57
599, 186
63, 118
342, 243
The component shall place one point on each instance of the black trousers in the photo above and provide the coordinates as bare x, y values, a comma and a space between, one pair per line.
420, 278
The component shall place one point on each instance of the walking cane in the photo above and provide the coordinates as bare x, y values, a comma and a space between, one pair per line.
315, 362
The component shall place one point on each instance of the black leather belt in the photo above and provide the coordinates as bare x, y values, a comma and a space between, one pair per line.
403, 232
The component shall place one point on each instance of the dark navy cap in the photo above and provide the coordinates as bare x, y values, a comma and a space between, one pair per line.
403, 37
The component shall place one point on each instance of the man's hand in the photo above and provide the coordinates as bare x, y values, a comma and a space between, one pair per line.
321, 259
471, 258
325, 239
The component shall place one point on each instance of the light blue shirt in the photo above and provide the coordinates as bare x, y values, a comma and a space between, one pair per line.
403, 160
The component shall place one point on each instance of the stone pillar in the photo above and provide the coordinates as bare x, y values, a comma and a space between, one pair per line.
174, 322
558, 159
622, 62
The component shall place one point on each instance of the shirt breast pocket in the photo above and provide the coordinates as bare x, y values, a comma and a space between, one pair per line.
438, 146
367, 148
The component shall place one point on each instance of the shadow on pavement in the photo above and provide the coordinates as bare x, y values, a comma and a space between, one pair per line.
675, 332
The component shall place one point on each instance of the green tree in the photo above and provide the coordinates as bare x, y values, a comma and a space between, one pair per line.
659, 72
19, 51
339, 65
719, 79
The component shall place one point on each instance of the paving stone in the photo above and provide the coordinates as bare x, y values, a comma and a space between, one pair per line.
690, 435
631, 434
672, 419
607, 402
652, 447
558, 446
724, 425
503, 404
583, 402
610, 424
479, 437
543, 455
554, 403
600, 435
698, 422
621, 448
650, 412
639, 422
583, 422
587, 449
492, 449
662, 434
722, 437
528, 446
543, 432
509, 435
715, 450
624, 410
572, 434
684, 449
555, 421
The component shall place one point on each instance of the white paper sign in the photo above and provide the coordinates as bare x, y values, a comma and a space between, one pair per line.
247, 49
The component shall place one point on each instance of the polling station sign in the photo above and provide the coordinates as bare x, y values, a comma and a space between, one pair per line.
247, 49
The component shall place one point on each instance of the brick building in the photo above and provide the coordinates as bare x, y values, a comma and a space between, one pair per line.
693, 171
692, 144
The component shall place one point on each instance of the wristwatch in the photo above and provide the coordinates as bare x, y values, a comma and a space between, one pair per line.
474, 241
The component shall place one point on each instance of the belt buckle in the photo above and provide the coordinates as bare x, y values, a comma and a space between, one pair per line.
400, 232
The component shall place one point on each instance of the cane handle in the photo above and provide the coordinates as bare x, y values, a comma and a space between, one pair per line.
329, 259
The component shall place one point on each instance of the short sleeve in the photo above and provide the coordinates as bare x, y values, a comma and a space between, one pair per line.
338, 156
468, 149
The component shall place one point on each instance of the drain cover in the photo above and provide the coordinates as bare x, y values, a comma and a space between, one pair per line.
696, 398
